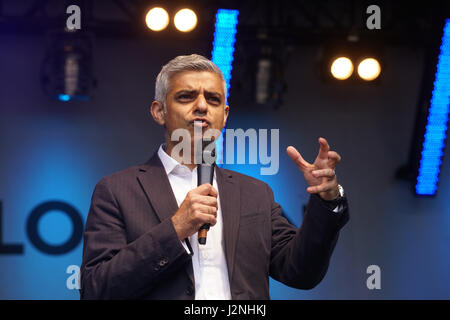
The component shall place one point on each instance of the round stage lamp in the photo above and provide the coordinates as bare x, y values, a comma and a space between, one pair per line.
342, 68
157, 19
185, 20
369, 69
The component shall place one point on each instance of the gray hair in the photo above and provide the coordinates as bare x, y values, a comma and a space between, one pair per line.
193, 62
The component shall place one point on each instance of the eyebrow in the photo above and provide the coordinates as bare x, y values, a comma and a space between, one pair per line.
186, 91
195, 91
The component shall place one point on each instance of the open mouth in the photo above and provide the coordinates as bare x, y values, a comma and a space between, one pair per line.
200, 123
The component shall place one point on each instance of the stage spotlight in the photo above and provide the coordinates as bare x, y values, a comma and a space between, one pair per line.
342, 68
185, 20
157, 19
369, 69
67, 70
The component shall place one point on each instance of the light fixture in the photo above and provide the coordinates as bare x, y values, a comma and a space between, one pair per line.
63, 97
224, 40
263, 78
436, 127
67, 70
354, 60
341, 68
185, 20
157, 19
225, 30
369, 69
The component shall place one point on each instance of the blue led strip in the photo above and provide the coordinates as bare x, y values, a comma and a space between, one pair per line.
436, 128
222, 54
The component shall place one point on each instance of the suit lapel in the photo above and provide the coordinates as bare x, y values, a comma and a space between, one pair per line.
156, 185
154, 181
230, 205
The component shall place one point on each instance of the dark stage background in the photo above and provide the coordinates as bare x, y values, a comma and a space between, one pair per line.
52, 150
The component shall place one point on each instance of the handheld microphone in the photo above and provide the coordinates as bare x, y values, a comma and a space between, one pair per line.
205, 174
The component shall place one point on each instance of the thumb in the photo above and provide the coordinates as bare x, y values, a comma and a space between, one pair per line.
297, 157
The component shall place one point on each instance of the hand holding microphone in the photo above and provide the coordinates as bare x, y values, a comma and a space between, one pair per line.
198, 211
198, 208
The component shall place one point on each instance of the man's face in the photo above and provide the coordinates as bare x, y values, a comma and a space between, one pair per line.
195, 95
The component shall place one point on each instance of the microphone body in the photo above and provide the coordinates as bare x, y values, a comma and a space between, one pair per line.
205, 174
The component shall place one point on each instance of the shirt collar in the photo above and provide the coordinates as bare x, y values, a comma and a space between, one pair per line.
172, 166
169, 163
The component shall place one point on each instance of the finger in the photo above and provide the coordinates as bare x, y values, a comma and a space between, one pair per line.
201, 209
324, 148
206, 218
206, 189
324, 173
333, 158
296, 157
207, 200
327, 186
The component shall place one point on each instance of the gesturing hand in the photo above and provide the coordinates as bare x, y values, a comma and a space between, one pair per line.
320, 176
199, 207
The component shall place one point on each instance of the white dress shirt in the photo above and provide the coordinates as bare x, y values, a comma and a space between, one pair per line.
208, 261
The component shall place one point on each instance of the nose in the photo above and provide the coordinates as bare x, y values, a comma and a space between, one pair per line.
200, 105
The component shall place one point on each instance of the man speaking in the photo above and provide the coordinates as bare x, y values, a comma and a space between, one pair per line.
140, 240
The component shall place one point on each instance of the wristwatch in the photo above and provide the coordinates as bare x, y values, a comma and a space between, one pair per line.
333, 204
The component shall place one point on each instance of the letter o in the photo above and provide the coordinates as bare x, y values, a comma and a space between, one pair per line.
39, 211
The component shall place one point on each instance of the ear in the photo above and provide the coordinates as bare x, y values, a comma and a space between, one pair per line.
157, 112
225, 116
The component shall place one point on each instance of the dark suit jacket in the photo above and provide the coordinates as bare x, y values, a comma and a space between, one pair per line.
131, 249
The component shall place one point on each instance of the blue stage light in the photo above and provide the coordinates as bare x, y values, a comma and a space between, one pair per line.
224, 39
222, 54
436, 128
64, 97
